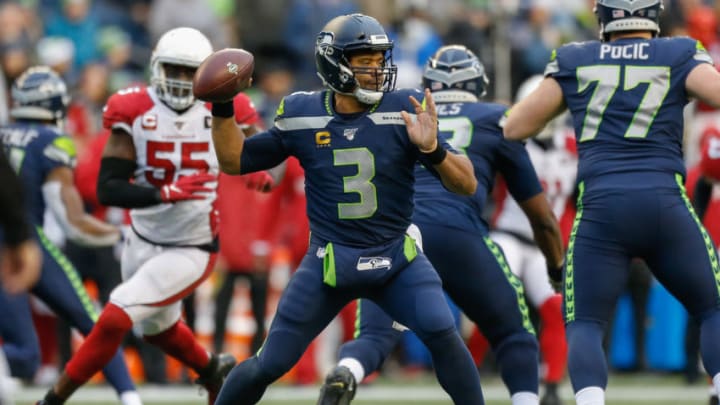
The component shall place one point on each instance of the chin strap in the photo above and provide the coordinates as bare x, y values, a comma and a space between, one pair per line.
367, 97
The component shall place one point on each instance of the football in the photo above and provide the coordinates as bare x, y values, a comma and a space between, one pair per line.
223, 74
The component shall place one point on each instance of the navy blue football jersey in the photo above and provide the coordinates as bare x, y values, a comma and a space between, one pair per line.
473, 129
359, 168
626, 98
34, 151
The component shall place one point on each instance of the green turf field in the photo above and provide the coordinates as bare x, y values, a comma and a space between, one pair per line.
412, 402
659, 389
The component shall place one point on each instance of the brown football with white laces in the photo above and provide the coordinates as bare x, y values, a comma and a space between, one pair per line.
223, 74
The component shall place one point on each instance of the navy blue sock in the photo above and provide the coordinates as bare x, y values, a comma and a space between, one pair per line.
517, 357
586, 360
709, 337
117, 374
455, 369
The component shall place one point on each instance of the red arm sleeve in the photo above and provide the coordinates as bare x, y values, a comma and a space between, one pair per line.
88, 168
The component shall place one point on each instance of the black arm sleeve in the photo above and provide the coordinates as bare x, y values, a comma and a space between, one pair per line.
12, 215
114, 187
701, 197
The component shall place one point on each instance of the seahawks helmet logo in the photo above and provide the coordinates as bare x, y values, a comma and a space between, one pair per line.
324, 43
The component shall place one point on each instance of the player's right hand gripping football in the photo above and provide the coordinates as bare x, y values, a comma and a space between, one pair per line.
187, 188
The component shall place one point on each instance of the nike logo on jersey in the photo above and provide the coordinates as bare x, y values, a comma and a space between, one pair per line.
373, 263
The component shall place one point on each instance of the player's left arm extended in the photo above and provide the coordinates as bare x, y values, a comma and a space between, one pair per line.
546, 230
63, 200
529, 116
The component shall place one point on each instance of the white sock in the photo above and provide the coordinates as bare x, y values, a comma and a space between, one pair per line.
716, 383
7, 388
130, 398
355, 368
525, 398
590, 396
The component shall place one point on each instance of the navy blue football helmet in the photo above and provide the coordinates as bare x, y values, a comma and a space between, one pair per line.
628, 15
454, 67
344, 36
39, 94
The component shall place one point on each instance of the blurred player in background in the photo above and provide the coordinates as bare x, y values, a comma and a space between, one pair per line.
45, 158
554, 157
20, 256
701, 184
626, 94
245, 248
358, 142
251, 238
455, 239
159, 162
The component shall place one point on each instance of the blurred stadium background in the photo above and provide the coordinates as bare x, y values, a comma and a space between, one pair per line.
101, 46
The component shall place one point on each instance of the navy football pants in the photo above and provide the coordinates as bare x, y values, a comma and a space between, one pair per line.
61, 289
612, 227
477, 278
413, 296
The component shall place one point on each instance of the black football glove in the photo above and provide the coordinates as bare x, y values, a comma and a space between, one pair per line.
556, 276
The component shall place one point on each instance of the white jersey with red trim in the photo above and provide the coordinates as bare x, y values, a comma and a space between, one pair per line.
169, 145
556, 167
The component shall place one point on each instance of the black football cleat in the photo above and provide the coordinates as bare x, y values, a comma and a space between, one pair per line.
339, 387
551, 396
713, 400
213, 376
